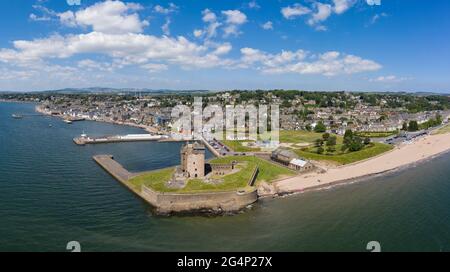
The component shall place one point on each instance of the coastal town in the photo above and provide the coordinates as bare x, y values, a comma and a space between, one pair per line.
299, 110
320, 134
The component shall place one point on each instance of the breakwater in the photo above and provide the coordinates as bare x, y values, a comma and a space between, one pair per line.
168, 203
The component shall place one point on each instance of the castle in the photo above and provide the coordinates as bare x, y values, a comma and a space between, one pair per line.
193, 160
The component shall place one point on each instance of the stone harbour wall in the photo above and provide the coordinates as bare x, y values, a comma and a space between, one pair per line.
215, 202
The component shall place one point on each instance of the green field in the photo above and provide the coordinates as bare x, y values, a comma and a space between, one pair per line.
376, 134
372, 150
443, 130
238, 147
299, 136
286, 136
267, 172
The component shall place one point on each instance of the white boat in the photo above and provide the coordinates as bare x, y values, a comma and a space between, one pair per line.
68, 122
17, 116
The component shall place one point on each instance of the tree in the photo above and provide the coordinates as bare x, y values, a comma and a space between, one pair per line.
308, 127
348, 137
331, 149
348, 134
367, 141
356, 144
405, 126
319, 142
326, 136
320, 150
332, 141
413, 126
320, 127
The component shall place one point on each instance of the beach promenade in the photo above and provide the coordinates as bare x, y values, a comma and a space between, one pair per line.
407, 154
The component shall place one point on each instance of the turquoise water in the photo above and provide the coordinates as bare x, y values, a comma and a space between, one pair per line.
51, 192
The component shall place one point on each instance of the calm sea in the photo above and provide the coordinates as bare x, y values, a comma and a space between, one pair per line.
52, 192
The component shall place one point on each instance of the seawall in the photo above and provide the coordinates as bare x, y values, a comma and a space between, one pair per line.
168, 203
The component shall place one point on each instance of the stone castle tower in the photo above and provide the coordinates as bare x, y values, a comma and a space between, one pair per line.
193, 160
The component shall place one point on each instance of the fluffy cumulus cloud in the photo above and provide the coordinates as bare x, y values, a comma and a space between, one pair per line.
301, 62
166, 10
210, 30
114, 17
234, 18
130, 48
341, 6
389, 79
111, 37
253, 5
318, 12
229, 22
267, 25
323, 11
296, 10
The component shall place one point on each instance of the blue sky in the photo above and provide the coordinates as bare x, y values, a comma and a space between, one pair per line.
356, 45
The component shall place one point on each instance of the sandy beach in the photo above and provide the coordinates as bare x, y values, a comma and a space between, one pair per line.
404, 155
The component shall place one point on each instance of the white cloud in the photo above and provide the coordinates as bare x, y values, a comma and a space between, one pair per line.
377, 17
155, 67
198, 33
112, 17
323, 11
301, 62
223, 49
267, 25
34, 17
68, 18
253, 5
341, 6
166, 27
296, 10
318, 12
389, 79
126, 49
210, 30
91, 65
170, 9
234, 18
208, 16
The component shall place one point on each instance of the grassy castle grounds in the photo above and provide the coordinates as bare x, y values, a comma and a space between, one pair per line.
268, 172
303, 144
372, 150
238, 146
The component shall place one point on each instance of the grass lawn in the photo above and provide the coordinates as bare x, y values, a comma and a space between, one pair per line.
376, 134
286, 136
301, 136
267, 172
155, 179
443, 130
238, 146
373, 150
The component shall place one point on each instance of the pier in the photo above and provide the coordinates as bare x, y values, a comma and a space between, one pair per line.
108, 163
84, 139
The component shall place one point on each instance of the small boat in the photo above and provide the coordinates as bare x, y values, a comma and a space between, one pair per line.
50, 125
68, 122
17, 116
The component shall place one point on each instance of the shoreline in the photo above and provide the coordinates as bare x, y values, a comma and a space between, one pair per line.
403, 157
146, 128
